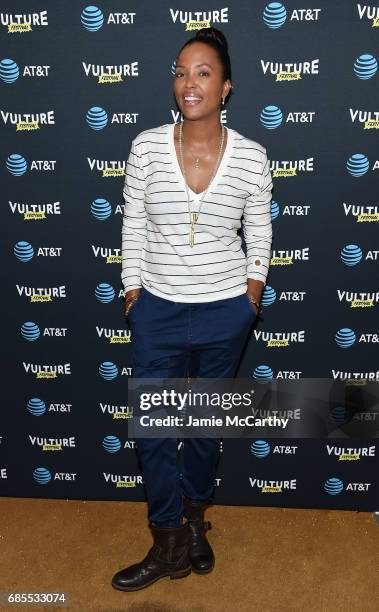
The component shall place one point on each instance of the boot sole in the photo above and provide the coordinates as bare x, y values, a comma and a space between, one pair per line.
174, 575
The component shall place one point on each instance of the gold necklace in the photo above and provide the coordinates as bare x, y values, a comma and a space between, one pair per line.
195, 215
197, 160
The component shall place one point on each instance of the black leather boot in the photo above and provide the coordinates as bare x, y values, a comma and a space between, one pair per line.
200, 551
169, 556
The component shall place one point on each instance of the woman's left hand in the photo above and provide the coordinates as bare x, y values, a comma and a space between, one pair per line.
252, 305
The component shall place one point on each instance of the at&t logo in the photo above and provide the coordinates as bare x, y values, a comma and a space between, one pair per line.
92, 18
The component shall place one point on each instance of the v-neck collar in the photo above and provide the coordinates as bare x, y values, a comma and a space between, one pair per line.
223, 162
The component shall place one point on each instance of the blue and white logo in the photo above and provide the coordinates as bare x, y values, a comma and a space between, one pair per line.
111, 444
108, 370
97, 118
260, 449
23, 251
263, 373
333, 486
36, 406
271, 117
92, 19
101, 209
274, 210
365, 66
16, 164
30, 331
274, 15
9, 71
357, 164
41, 475
345, 337
268, 296
105, 293
351, 254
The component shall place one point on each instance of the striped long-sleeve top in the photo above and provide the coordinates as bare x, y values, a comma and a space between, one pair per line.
156, 253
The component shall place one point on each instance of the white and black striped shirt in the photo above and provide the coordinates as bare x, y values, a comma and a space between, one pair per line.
156, 253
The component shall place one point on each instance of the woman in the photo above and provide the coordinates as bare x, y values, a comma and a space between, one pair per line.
191, 294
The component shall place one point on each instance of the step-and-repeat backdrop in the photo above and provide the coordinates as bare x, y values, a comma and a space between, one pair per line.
78, 82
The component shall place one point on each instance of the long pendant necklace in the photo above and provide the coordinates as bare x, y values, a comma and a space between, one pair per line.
193, 216
197, 161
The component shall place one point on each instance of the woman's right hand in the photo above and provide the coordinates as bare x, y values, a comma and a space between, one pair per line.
131, 296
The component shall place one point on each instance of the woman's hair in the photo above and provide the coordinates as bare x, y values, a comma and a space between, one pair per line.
216, 39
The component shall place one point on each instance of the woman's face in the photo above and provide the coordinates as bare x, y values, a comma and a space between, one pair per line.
198, 81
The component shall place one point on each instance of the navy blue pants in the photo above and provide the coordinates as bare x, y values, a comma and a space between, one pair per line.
174, 339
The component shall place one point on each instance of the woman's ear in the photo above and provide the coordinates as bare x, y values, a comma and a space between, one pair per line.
227, 87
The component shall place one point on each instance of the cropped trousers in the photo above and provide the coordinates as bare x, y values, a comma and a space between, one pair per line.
175, 340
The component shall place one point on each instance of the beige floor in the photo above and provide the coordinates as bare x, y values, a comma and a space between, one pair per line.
267, 559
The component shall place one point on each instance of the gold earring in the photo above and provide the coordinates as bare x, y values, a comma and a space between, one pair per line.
223, 99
